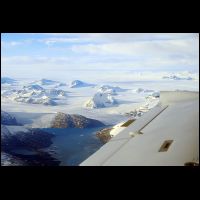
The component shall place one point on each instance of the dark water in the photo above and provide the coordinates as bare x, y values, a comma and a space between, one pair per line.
74, 145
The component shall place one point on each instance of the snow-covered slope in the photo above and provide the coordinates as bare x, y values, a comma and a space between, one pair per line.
33, 87
78, 83
10, 160
101, 100
104, 97
112, 90
7, 80
35, 94
44, 82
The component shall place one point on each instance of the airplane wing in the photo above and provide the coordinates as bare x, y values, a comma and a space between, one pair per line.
167, 135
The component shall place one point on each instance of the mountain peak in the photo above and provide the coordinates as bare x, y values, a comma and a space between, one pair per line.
101, 100
78, 83
7, 80
63, 120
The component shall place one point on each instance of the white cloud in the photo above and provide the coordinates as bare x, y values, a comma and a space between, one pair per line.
10, 44
32, 60
131, 37
143, 48
111, 37
53, 40
114, 52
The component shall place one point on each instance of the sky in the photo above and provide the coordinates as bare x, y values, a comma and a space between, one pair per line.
93, 55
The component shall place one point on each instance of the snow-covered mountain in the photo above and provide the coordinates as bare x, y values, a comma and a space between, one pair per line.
101, 100
112, 90
34, 100
44, 82
7, 80
104, 97
35, 94
147, 92
78, 83
33, 87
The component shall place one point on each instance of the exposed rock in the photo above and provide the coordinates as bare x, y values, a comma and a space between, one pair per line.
63, 120
104, 135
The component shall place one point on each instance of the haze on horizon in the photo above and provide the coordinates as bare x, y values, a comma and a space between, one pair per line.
93, 56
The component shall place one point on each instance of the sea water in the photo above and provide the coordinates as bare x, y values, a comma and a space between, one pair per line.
73, 145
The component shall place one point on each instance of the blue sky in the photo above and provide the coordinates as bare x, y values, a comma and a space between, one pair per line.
56, 54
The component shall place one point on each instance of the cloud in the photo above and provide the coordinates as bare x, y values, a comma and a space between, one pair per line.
32, 60
105, 38
131, 37
101, 51
61, 40
10, 44
140, 48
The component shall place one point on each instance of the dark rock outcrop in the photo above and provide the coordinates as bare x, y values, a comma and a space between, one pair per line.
104, 135
33, 140
7, 119
63, 120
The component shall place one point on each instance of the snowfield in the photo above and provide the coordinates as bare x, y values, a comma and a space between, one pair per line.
109, 102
